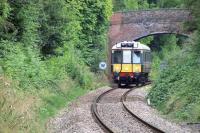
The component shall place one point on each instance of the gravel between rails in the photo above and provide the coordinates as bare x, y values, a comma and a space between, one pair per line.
116, 118
119, 120
113, 97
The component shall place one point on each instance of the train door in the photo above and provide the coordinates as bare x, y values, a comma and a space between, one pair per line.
136, 61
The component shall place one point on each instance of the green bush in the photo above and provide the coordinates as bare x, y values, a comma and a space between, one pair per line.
176, 90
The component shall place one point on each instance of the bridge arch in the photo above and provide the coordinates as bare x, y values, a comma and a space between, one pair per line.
161, 33
133, 25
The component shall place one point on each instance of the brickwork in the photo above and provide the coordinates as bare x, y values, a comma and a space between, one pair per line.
136, 24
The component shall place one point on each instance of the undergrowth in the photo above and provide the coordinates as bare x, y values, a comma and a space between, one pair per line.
29, 110
36, 92
175, 90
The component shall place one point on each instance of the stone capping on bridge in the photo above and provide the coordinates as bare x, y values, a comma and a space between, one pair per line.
150, 16
153, 9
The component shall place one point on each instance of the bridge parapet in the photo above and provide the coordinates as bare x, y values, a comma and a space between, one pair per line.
163, 15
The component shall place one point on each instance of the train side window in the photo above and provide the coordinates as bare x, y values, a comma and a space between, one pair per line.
116, 57
144, 57
136, 57
148, 57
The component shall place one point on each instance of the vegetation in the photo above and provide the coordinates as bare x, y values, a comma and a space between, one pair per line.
126, 5
163, 47
176, 86
49, 51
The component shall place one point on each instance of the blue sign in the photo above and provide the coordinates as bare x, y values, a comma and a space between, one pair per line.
102, 65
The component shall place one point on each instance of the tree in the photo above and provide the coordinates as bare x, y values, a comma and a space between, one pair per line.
170, 3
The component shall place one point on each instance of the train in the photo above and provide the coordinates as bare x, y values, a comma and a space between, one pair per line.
130, 63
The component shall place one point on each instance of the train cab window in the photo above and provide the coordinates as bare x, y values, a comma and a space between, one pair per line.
116, 57
147, 57
127, 56
136, 57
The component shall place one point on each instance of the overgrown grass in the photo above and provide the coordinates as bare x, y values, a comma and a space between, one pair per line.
28, 111
176, 88
16, 108
53, 101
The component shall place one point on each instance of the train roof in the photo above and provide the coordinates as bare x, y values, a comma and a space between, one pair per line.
131, 45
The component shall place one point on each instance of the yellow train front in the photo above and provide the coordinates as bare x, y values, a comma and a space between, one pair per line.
130, 63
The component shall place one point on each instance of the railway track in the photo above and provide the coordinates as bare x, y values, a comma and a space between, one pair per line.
102, 122
96, 114
123, 100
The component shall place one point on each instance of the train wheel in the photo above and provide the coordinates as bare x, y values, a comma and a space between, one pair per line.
127, 85
142, 80
119, 84
137, 83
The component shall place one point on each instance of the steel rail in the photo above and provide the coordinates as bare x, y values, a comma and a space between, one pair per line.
123, 100
101, 122
96, 115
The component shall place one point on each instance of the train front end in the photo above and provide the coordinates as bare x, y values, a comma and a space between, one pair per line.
130, 64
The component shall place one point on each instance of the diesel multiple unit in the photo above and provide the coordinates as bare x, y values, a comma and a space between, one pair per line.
130, 63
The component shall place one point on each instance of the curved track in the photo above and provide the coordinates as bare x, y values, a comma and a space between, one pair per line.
101, 122
96, 114
123, 100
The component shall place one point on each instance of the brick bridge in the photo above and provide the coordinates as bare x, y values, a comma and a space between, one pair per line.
134, 25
